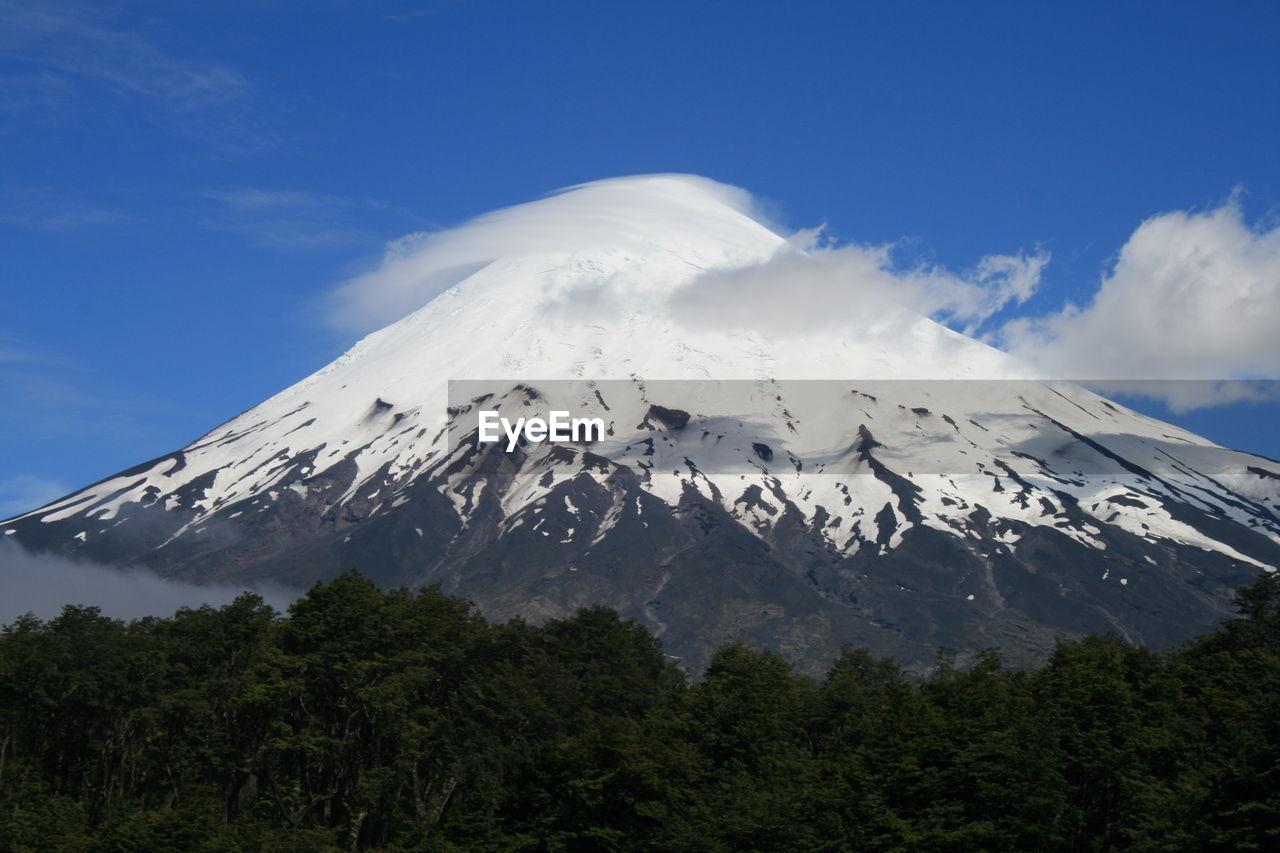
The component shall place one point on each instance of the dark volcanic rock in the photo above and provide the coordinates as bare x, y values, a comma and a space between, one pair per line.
669, 418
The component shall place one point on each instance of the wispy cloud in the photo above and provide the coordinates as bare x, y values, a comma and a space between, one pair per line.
43, 584
251, 199
46, 210
70, 48
298, 219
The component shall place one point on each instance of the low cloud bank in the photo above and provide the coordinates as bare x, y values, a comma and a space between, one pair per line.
42, 584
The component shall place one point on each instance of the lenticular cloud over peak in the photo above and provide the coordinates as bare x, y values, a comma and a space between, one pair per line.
711, 224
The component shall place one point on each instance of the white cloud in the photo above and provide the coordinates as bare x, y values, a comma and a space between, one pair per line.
1183, 395
1190, 296
620, 213
852, 285
42, 584
822, 285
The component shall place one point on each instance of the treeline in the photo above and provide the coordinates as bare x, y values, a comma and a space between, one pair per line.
399, 721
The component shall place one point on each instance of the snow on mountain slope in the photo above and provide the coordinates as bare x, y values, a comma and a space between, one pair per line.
830, 449
517, 318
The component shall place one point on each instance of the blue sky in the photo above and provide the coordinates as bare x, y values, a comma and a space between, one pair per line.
183, 184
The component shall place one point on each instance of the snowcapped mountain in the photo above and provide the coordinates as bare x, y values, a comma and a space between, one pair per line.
880, 480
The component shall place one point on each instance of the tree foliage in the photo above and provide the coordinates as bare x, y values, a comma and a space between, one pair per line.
402, 721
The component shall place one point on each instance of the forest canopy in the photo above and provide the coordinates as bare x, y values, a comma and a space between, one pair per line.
401, 720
